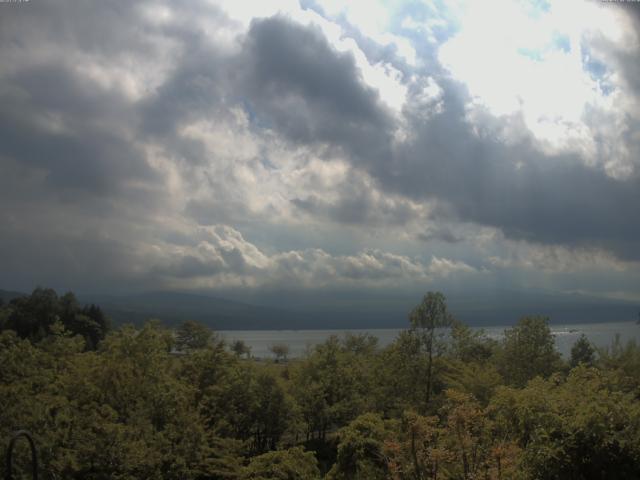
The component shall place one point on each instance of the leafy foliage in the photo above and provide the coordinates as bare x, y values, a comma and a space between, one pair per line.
580, 427
361, 450
428, 316
280, 350
240, 348
528, 351
192, 335
153, 403
292, 464
34, 317
582, 352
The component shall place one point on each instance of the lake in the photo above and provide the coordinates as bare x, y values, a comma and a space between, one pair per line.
301, 341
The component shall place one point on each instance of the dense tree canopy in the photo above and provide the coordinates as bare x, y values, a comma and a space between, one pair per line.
192, 335
528, 350
146, 403
426, 318
35, 316
582, 352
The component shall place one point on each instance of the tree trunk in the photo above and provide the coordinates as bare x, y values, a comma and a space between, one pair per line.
429, 365
414, 455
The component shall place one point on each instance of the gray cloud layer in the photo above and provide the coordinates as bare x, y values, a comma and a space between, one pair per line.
81, 193
529, 195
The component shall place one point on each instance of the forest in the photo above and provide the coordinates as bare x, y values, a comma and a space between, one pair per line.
442, 401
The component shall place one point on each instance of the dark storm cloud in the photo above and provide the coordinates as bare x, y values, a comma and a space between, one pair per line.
190, 266
36, 251
310, 92
286, 58
625, 60
529, 195
84, 151
75, 187
547, 199
55, 119
84, 134
68, 140
104, 28
194, 88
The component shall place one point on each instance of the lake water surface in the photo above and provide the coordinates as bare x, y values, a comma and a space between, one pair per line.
301, 341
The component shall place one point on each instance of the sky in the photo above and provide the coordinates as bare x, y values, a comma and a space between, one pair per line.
381, 147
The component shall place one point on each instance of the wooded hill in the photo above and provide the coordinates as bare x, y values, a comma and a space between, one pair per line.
126, 406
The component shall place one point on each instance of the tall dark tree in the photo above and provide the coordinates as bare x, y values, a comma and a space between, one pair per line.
430, 315
280, 350
582, 352
292, 464
192, 335
528, 351
32, 317
239, 347
97, 324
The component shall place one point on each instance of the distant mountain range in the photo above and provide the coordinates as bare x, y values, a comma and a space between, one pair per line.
7, 295
334, 310
174, 307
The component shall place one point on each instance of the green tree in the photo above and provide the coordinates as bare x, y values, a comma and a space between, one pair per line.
623, 361
479, 379
101, 324
528, 350
582, 352
89, 322
122, 412
272, 414
418, 451
241, 400
469, 366
361, 450
31, 317
332, 386
292, 464
400, 372
468, 436
192, 335
34, 317
579, 428
239, 347
4, 316
468, 345
360, 343
431, 314
280, 350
